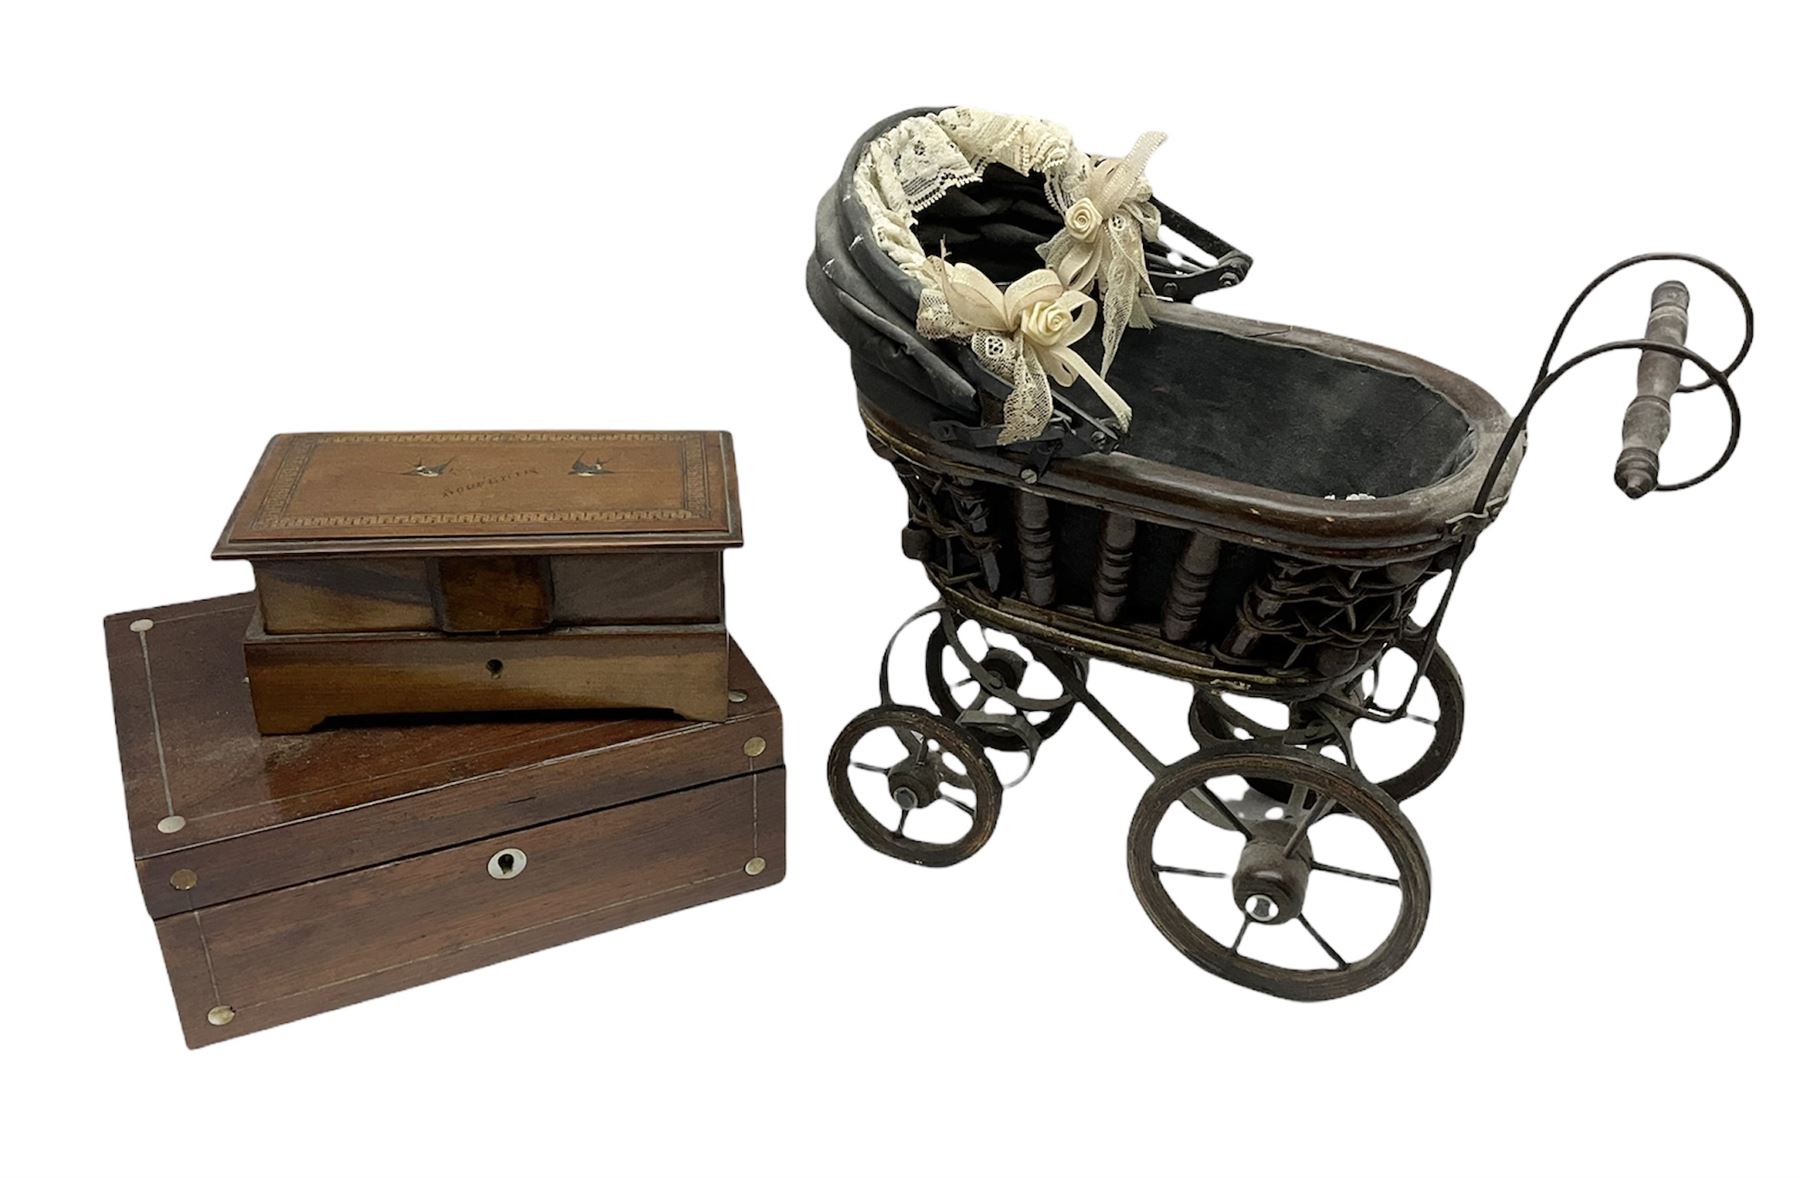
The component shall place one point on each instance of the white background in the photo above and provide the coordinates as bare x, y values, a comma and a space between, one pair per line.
220, 222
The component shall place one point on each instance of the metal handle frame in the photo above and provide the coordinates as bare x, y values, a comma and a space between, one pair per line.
1548, 377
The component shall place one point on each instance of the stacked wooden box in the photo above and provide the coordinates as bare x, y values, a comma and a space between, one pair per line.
568, 740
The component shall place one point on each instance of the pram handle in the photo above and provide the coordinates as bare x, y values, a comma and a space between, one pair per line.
1647, 418
1665, 336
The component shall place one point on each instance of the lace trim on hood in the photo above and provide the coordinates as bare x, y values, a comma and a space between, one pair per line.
1024, 335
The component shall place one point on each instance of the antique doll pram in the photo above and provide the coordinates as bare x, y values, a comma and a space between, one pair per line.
1246, 507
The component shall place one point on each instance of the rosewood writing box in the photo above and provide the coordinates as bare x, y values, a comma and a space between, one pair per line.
289, 875
456, 572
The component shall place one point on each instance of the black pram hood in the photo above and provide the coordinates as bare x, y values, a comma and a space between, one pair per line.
941, 217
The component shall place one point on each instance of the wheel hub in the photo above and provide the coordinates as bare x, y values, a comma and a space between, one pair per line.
910, 789
1003, 668
1270, 885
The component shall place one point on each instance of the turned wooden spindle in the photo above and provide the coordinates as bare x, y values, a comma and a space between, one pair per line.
1036, 553
1189, 586
1111, 580
1646, 425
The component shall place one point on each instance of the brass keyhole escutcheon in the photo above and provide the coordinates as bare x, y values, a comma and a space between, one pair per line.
507, 863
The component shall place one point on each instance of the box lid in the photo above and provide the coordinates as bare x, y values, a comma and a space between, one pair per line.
318, 495
218, 811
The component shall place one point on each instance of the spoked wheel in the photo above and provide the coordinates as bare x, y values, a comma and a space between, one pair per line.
896, 766
1270, 920
1331, 721
966, 676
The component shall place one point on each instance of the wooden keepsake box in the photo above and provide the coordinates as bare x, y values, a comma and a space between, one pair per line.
458, 572
289, 875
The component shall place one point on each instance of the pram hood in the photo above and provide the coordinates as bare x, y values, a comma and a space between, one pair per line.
937, 221
998, 233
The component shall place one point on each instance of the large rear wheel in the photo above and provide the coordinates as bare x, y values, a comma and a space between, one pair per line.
1316, 898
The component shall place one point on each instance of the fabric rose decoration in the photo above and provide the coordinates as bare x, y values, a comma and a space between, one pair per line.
1047, 324
1083, 220
1024, 335
1102, 240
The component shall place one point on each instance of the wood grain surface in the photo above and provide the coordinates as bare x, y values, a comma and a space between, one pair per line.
298, 681
206, 793
284, 955
349, 595
453, 493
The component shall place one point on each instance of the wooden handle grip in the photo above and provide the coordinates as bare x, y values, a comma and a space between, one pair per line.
1659, 374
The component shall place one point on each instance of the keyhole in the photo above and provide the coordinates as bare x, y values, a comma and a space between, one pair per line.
506, 864
494, 667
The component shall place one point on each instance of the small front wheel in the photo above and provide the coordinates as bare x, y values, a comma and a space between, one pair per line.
894, 767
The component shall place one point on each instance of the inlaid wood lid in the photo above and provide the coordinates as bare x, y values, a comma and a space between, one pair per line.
559, 491
242, 813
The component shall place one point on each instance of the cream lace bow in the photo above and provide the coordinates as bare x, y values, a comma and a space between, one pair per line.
1025, 336
1103, 236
